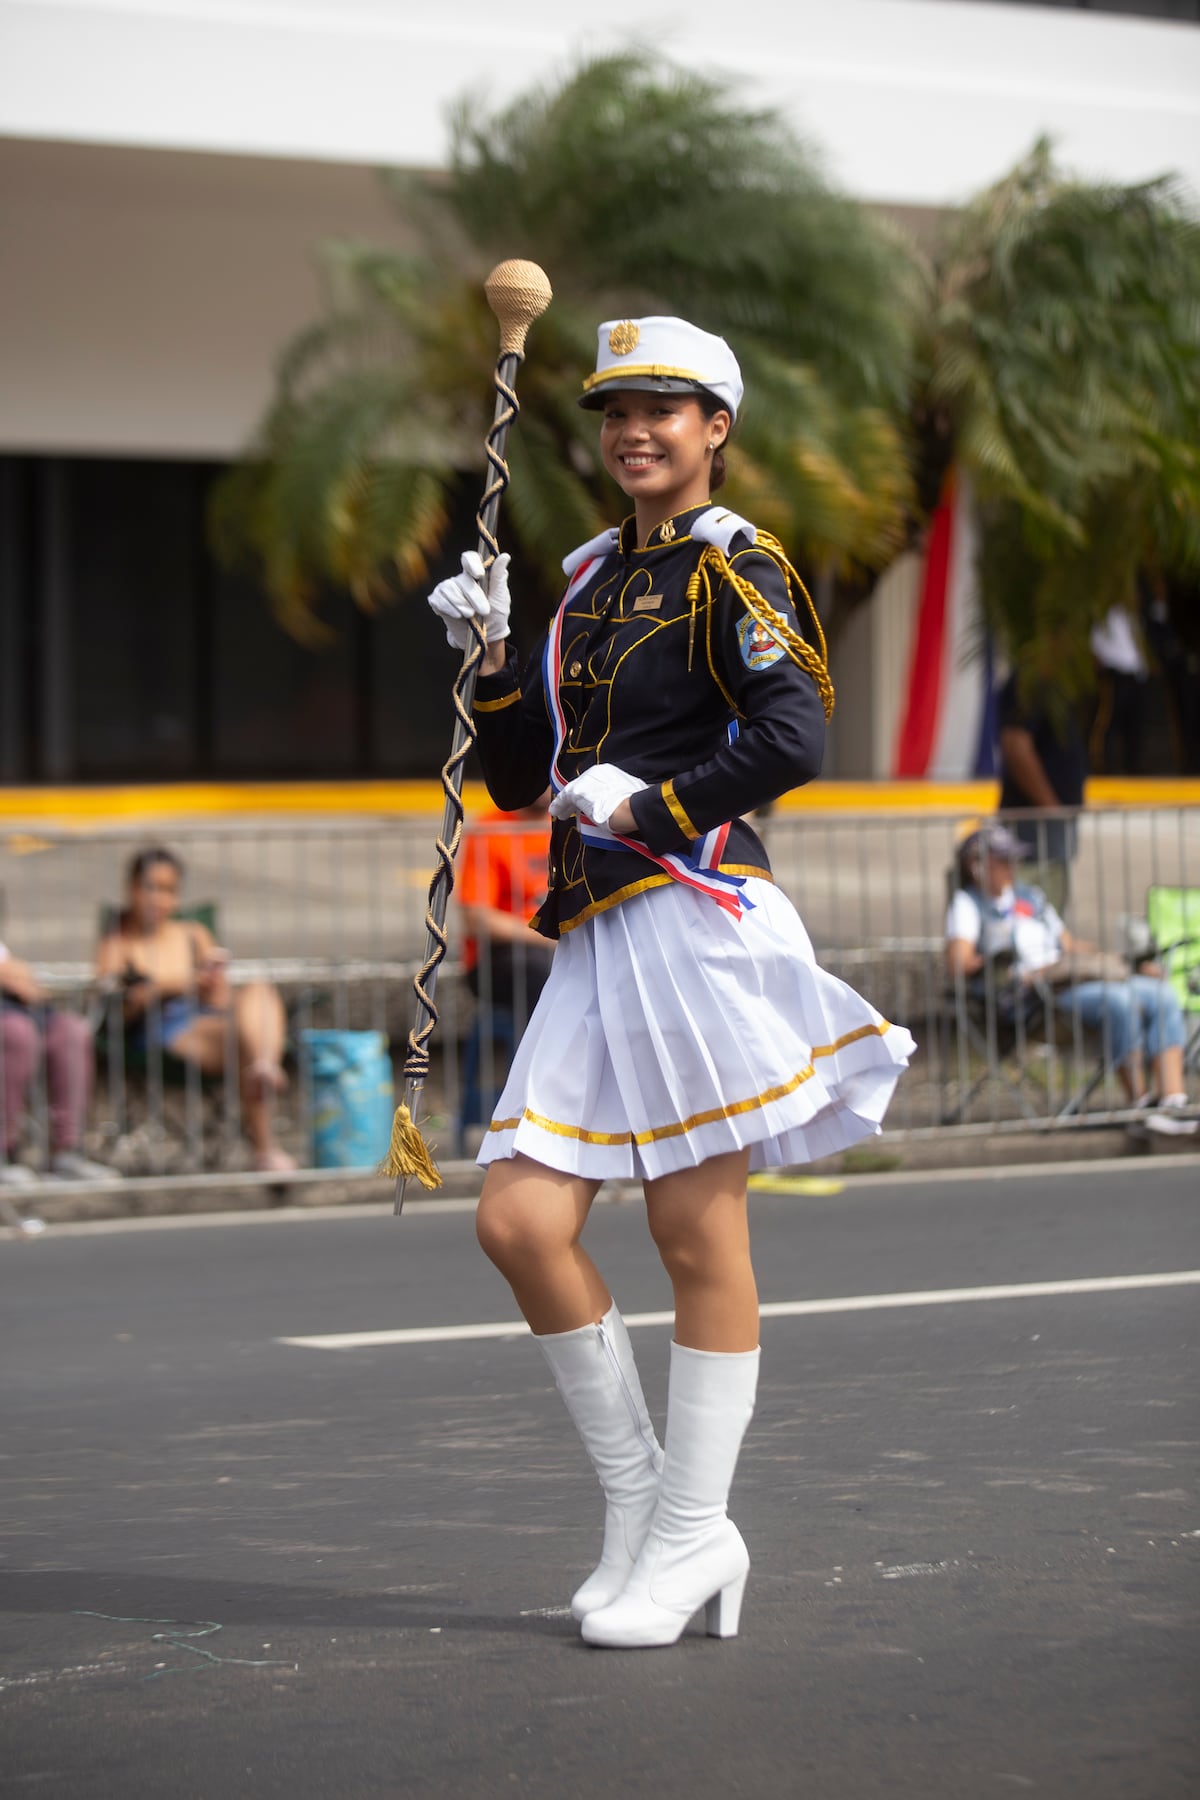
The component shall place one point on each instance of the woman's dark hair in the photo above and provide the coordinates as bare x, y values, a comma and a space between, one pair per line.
972, 859
710, 406
145, 860
967, 866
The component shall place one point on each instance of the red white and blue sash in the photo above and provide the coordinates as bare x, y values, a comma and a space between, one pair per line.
700, 868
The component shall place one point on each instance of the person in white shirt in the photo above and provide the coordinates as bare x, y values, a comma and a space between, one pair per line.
1116, 740
992, 916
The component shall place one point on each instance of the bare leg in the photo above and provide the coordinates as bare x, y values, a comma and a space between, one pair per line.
528, 1223
1168, 1071
261, 1028
259, 1031
698, 1222
261, 1023
69, 1069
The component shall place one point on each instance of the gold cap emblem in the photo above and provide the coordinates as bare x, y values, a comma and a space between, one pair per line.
623, 338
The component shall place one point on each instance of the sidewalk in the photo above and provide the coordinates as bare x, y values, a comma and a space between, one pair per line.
883, 1159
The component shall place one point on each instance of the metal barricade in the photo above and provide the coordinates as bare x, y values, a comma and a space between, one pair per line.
329, 916
324, 915
874, 893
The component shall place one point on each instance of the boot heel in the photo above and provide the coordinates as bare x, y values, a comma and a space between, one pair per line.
722, 1612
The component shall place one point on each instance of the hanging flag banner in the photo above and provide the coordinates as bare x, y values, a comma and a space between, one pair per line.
947, 720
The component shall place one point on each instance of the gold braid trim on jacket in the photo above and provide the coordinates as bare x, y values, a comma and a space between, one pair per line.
802, 654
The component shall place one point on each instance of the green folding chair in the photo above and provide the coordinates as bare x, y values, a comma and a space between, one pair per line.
1173, 915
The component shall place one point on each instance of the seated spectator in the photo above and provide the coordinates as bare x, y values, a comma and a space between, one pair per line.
178, 998
30, 1028
502, 883
993, 917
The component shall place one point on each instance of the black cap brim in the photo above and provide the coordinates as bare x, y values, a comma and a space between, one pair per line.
599, 395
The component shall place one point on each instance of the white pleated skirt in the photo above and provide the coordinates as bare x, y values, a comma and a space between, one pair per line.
669, 1032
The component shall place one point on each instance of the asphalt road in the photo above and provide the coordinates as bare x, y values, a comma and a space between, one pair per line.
238, 1566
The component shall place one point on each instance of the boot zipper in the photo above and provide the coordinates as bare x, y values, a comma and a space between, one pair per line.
606, 1345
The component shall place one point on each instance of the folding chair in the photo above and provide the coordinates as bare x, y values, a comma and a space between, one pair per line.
157, 1137
999, 1024
1173, 915
990, 1020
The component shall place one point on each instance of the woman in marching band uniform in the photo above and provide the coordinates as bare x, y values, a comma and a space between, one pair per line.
686, 1034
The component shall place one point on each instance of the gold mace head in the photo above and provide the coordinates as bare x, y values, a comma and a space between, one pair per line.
518, 293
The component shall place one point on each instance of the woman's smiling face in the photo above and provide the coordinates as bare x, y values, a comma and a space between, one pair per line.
657, 448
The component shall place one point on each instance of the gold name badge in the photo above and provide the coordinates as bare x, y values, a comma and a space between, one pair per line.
648, 602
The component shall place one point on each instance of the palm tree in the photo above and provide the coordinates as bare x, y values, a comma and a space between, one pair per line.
640, 189
1061, 365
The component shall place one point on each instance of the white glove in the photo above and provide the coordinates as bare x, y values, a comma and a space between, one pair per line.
474, 594
596, 793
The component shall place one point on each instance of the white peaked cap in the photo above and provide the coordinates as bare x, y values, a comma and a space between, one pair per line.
662, 356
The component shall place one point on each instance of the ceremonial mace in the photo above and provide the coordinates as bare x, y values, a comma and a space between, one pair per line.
518, 293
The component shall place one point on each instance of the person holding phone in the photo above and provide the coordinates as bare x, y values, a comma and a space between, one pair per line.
177, 997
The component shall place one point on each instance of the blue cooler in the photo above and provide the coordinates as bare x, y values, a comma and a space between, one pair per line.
351, 1095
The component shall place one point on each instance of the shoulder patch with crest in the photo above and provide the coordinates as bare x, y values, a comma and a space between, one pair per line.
757, 646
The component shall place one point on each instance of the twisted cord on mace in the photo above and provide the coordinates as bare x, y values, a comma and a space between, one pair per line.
518, 293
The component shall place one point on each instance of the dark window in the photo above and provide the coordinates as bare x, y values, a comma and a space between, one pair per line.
127, 653
134, 582
278, 707
16, 647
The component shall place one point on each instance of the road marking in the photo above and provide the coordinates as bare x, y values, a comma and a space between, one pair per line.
773, 1309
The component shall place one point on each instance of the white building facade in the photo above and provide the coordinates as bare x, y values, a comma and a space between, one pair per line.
167, 169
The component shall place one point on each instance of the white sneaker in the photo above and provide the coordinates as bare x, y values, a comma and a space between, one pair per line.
15, 1174
1170, 1119
73, 1165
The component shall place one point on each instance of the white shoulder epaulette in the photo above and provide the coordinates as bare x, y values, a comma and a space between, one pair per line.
719, 527
597, 546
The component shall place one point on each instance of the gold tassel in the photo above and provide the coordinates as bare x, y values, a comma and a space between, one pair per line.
408, 1153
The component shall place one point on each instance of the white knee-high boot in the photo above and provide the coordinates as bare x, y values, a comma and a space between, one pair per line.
693, 1555
597, 1377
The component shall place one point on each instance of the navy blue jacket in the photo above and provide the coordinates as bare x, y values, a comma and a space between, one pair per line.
694, 697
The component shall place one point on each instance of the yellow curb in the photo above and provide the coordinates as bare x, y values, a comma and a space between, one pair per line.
797, 1184
90, 806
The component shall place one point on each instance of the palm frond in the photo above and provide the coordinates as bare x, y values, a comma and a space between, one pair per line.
1063, 347
735, 225
1052, 342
